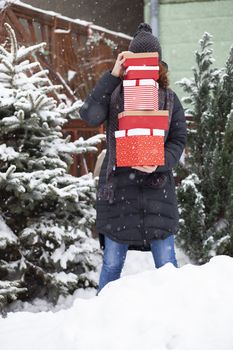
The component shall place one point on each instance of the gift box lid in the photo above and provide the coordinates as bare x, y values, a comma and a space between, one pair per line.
159, 113
142, 58
141, 55
140, 82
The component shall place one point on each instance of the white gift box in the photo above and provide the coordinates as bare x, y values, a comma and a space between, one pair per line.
140, 94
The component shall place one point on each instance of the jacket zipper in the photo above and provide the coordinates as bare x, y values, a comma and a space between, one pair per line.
142, 226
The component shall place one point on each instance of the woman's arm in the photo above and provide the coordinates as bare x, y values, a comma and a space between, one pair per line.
96, 106
176, 139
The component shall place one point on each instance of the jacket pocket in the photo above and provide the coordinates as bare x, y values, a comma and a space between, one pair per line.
156, 180
106, 192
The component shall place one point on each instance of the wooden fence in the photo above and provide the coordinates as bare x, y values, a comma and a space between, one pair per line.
77, 53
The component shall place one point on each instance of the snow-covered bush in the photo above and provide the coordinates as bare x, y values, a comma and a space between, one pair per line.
50, 213
209, 157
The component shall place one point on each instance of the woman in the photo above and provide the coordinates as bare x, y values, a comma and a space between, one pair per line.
136, 207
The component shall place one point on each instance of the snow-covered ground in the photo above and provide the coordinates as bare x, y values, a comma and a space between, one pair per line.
188, 308
135, 263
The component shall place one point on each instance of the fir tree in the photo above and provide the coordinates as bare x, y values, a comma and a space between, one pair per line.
209, 101
192, 217
50, 212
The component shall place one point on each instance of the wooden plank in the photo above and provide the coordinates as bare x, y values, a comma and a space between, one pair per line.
18, 26
46, 18
32, 31
74, 124
53, 44
84, 168
68, 90
43, 28
26, 12
2, 19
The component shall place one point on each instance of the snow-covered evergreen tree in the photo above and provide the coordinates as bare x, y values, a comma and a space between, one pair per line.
209, 99
50, 212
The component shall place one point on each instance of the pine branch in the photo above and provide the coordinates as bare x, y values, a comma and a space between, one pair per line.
14, 44
65, 111
42, 73
8, 65
39, 102
4, 52
24, 52
26, 67
48, 89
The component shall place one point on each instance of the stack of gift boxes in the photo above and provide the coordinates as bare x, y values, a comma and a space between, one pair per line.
140, 138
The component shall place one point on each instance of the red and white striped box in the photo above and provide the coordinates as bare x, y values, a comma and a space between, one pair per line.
140, 94
143, 119
138, 147
141, 59
142, 72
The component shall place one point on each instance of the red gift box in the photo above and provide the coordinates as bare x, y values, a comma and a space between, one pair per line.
141, 59
142, 72
140, 94
138, 147
143, 119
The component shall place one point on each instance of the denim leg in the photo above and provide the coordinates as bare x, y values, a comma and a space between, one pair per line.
113, 261
163, 251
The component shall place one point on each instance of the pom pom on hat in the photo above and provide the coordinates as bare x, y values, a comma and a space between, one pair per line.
143, 26
145, 41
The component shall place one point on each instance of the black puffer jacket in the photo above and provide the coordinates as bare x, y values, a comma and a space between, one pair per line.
144, 205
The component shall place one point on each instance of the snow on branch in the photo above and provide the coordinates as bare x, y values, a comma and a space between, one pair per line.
14, 45
25, 51
6, 235
7, 153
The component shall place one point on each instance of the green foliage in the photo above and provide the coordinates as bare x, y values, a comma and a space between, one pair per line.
10, 291
209, 157
192, 216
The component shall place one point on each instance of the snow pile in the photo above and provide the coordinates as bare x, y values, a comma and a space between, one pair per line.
178, 309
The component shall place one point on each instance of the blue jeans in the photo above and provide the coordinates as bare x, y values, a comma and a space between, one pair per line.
163, 251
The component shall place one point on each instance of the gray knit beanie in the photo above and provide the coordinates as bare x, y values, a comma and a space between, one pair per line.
145, 41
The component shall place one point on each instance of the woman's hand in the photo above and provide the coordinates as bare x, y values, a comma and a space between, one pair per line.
145, 168
118, 69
